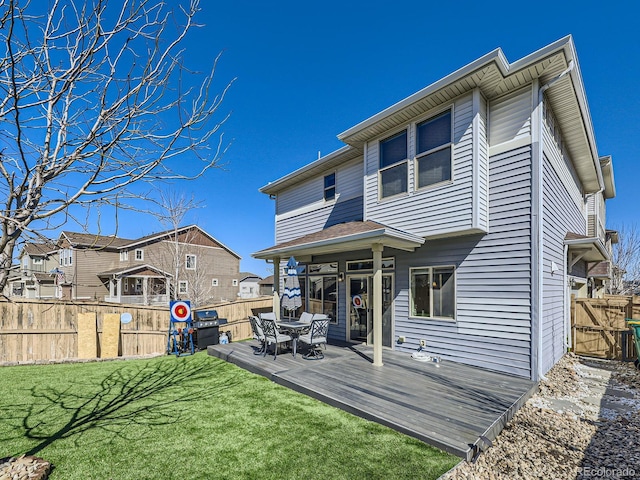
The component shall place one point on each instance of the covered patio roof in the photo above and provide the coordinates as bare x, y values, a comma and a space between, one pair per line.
140, 270
348, 236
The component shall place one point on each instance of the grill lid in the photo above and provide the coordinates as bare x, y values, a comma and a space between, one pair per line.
206, 315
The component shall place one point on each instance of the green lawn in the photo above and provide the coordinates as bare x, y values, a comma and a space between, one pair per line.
193, 417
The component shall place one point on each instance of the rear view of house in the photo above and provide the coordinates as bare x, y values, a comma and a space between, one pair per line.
462, 217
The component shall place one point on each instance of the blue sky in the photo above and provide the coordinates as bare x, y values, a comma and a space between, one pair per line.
307, 71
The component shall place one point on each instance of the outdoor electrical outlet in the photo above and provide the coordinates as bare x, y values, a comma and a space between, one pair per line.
401, 340
423, 343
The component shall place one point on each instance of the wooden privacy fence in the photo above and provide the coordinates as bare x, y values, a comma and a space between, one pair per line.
599, 328
45, 330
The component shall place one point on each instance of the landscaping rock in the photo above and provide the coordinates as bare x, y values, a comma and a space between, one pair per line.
583, 423
26, 467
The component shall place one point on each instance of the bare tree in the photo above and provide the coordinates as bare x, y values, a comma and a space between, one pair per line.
95, 98
626, 261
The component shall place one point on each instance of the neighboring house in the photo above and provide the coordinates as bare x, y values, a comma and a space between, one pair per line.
461, 217
35, 276
266, 285
186, 263
249, 285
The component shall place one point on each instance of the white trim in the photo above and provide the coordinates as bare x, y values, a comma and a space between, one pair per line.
431, 317
523, 141
182, 283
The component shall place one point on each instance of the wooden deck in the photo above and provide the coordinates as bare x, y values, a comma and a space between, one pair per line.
448, 405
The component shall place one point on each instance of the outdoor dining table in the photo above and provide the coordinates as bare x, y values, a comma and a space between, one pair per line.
295, 328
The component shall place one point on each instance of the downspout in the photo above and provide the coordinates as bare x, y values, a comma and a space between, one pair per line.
539, 157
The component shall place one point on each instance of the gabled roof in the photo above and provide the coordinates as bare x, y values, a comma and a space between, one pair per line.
266, 281
494, 76
350, 235
91, 240
39, 249
133, 269
159, 236
246, 275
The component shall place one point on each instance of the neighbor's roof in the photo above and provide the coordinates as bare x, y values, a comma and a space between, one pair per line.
494, 76
39, 248
91, 240
161, 235
246, 275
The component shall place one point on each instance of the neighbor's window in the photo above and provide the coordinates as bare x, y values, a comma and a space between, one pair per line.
393, 165
214, 282
124, 256
190, 263
37, 260
433, 292
234, 282
433, 150
139, 254
330, 187
183, 285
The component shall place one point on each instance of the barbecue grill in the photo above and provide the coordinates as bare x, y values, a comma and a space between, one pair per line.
207, 328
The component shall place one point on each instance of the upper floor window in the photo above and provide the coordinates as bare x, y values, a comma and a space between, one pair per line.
234, 282
433, 292
433, 150
124, 256
190, 263
330, 187
393, 165
37, 260
214, 282
66, 256
139, 254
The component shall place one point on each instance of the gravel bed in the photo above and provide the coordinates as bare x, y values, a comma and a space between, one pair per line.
584, 423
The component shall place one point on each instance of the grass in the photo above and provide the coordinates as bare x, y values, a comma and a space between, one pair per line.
193, 417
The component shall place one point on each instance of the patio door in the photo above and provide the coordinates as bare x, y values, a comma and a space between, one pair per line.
360, 309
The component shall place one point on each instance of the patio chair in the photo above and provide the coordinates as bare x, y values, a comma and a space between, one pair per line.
258, 334
273, 335
306, 317
316, 336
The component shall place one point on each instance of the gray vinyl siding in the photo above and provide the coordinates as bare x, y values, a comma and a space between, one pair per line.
301, 209
510, 117
441, 209
561, 214
493, 280
87, 263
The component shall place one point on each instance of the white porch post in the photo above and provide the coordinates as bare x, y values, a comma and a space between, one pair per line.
119, 288
145, 290
111, 285
276, 274
377, 304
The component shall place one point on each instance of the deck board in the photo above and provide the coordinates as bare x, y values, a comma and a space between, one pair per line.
448, 405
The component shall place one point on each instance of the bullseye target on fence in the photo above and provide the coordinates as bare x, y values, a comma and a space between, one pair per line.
180, 311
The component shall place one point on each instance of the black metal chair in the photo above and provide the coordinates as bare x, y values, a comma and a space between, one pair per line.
273, 335
315, 337
258, 334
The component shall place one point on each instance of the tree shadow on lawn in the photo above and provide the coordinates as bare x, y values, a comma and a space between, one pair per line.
147, 395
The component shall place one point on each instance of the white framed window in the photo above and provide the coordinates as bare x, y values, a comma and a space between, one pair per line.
37, 260
330, 187
190, 262
433, 292
183, 286
214, 282
393, 174
139, 254
66, 256
124, 256
234, 282
433, 150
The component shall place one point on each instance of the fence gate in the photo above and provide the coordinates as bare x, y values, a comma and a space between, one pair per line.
599, 326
